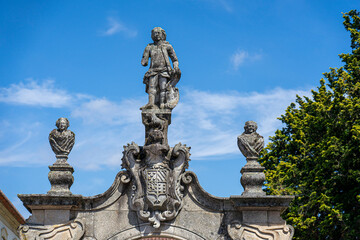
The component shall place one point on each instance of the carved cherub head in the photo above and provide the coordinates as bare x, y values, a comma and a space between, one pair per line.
62, 124
250, 127
158, 34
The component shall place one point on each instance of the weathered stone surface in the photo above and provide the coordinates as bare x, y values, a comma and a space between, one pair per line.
61, 141
202, 216
155, 198
241, 231
71, 230
161, 78
157, 171
250, 144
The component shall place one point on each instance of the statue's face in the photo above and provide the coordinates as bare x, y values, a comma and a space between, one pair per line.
250, 127
157, 35
62, 124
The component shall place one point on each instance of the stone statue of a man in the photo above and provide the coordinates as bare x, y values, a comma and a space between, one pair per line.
61, 139
250, 142
161, 78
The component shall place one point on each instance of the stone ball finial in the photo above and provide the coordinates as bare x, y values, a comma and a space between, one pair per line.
250, 142
61, 139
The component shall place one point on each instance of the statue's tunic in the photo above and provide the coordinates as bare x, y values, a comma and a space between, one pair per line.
160, 64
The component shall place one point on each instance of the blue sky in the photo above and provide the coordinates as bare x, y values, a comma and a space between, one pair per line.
240, 60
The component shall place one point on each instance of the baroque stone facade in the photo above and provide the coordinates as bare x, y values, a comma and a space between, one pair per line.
154, 197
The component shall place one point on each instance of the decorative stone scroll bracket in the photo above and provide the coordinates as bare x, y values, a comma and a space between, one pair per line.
157, 186
72, 230
238, 231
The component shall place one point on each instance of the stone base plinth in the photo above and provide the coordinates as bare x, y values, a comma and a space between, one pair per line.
61, 179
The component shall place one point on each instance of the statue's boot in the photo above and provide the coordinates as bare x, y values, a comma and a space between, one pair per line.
151, 104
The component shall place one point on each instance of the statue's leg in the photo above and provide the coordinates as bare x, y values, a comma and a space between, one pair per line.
162, 86
152, 92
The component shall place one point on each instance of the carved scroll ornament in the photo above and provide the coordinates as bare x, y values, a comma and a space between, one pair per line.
72, 230
238, 231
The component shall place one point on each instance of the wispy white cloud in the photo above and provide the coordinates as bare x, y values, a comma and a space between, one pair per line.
101, 110
227, 5
115, 26
209, 122
33, 94
242, 56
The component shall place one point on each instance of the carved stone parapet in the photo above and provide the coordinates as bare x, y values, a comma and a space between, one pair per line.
278, 203
72, 230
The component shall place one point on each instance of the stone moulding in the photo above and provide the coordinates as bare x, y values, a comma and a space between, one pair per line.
97, 202
168, 230
71, 230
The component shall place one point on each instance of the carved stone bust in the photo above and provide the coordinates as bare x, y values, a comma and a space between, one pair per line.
61, 139
250, 142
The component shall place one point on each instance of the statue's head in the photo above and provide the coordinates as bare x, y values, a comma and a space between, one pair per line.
250, 127
158, 34
62, 124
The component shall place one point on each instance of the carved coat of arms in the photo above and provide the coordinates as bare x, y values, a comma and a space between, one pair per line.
156, 171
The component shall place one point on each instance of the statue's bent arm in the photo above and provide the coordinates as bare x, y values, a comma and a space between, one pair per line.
173, 57
146, 55
259, 145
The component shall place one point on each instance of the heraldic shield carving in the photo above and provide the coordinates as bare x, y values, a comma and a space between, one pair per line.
157, 185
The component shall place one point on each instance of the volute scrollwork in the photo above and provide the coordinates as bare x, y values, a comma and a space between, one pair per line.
241, 231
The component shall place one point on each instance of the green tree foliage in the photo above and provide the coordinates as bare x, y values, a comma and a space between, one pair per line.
316, 155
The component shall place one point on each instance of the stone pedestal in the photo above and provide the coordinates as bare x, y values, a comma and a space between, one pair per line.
158, 119
61, 178
252, 178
